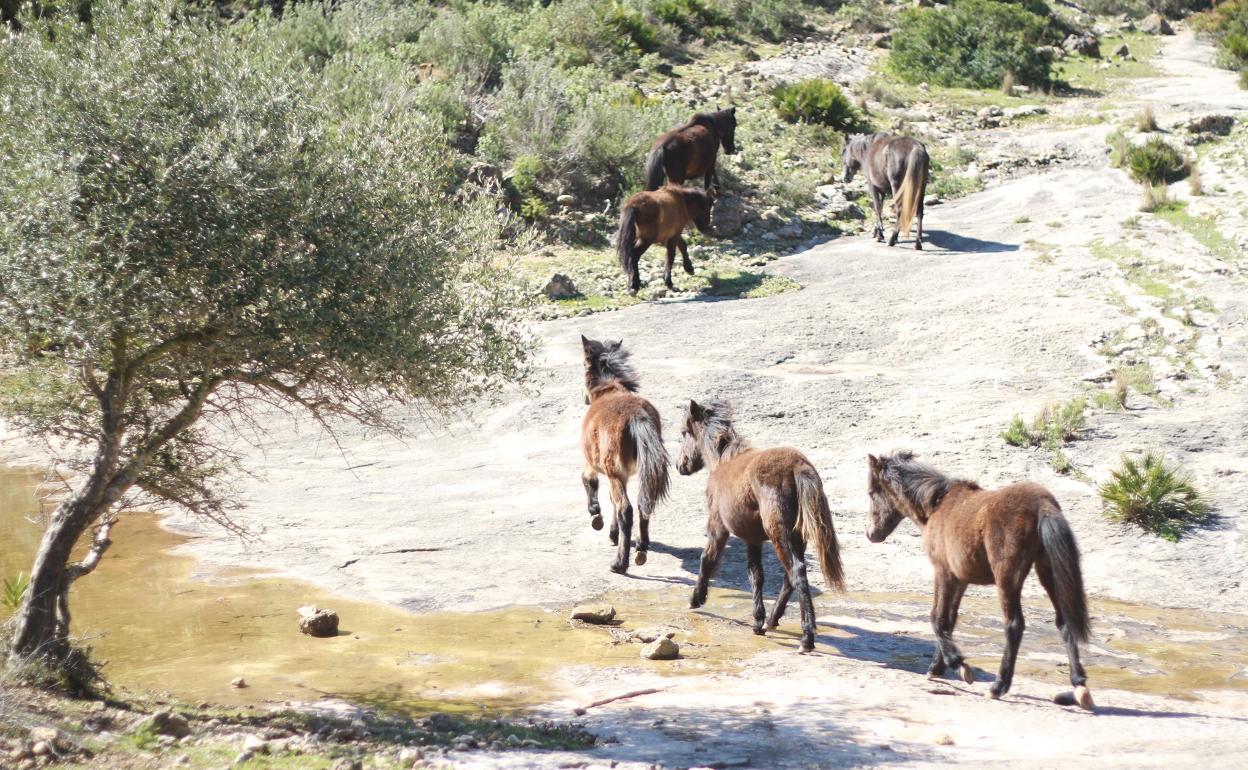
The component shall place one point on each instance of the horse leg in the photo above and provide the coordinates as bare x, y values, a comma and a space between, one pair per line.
634, 278
589, 478
667, 263
623, 524
802, 585
684, 254
947, 598
782, 601
643, 536
918, 238
755, 557
1078, 677
716, 538
877, 202
1010, 593
711, 180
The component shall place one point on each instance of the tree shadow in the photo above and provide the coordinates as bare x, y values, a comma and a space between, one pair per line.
961, 243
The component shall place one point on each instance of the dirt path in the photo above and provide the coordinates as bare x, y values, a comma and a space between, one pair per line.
931, 350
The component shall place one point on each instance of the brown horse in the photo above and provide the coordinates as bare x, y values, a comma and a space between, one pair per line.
893, 165
660, 217
979, 536
690, 151
759, 495
621, 437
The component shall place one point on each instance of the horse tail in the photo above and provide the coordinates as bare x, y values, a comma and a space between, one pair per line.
814, 521
652, 462
625, 239
910, 195
1062, 551
654, 168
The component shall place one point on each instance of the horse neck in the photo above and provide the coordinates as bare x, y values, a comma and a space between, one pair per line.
735, 446
607, 388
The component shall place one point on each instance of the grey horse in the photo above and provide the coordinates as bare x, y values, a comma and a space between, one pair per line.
896, 166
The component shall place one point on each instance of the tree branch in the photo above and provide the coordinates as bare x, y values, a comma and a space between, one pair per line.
99, 545
179, 342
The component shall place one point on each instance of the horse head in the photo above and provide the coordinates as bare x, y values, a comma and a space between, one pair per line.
851, 154
700, 203
885, 514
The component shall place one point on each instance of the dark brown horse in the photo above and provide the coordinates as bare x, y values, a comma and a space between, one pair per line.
690, 151
978, 536
660, 217
896, 166
759, 495
621, 437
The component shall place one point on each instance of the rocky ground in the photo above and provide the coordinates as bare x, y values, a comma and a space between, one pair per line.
1033, 290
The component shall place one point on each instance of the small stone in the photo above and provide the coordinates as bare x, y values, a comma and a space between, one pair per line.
238, 683
661, 649
597, 613
1122, 51
243, 758
409, 755
348, 764
255, 744
652, 633
944, 739
318, 622
565, 200
668, 86
560, 286
40, 749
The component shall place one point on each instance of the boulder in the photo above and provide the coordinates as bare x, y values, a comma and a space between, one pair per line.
1122, 51
559, 286
1084, 45
727, 216
167, 723
565, 200
318, 622
661, 649
792, 230
1156, 24
652, 634
594, 613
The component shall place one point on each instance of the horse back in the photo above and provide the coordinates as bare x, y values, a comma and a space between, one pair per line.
748, 489
888, 158
661, 214
692, 148
978, 532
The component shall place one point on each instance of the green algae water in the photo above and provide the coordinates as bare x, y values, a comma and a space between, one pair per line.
159, 626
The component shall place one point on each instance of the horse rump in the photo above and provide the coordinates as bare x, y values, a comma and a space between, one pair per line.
625, 239
654, 168
652, 463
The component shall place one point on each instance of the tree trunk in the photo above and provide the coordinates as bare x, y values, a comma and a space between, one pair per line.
43, 623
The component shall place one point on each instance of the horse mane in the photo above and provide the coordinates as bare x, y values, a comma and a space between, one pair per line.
921, 484
707, 119
719, 438
610, 365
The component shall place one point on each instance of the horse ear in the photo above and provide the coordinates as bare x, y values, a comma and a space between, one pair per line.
873, 461
587, 344
616, 345
696, 411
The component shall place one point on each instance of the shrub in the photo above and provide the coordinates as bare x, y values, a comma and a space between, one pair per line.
694, 18
1056, 424
574, 33
1227, 23
1146, 121
816, 101
864, 15
13, 591
1155, 161
767, 18
472, 44
1154, 496
973, 44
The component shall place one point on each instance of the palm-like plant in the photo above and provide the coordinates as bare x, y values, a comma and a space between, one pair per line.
1155, 496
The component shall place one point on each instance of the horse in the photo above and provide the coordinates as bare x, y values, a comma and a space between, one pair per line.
759, 495
977, 536
660, 216
896, 166
689, 151
621, 437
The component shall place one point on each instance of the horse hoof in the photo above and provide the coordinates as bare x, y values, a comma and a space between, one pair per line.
640, 558
806, 648
918, 247
620, 569
1083, 696
759, 631
968, 674
596, 521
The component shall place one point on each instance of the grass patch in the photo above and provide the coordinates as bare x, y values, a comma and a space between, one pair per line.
1157, 497
747, 285
1203, 229
1137, 377
1085, 73
1056, 424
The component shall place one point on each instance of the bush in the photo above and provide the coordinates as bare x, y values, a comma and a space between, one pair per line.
816, 101
1155, 496
609, 35
1227, 23
1056, 424
694, 18
972, 44
471, 45
1155, 161
766, 18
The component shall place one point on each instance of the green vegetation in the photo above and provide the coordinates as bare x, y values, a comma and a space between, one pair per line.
973, 43
748, 285
1227, 23
13, 591
1155, 496
1056, 424
1203, 229
1146, 121
818, 100
1154, 162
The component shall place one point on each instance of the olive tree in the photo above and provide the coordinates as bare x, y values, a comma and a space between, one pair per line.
197, 227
